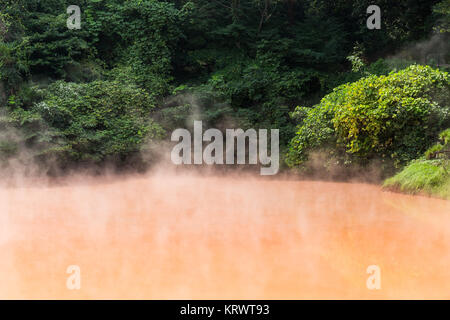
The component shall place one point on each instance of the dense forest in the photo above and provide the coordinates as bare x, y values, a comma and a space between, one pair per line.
135, 70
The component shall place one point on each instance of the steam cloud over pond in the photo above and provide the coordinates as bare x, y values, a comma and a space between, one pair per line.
185, 236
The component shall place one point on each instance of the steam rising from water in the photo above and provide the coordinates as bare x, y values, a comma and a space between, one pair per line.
182, 236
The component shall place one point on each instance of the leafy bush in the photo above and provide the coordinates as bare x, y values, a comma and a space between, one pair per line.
394, 118
89, 122
148, 33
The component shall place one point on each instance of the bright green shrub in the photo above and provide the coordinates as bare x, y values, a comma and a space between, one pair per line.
429, 174
392, 118
440, 150
423, 176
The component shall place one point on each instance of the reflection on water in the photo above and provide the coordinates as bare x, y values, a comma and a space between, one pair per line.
182, 237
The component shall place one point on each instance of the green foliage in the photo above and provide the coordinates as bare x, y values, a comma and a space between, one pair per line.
148, 33
429, 174
443, 10
423, 176
441, 150
7, 149
13, 64
392, 118
49, 46
90, 122
52, 46
445, 137
244, 63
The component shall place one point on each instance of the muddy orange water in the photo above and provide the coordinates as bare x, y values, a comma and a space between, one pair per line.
185, 236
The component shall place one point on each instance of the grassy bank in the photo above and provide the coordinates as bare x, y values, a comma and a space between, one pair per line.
428, 175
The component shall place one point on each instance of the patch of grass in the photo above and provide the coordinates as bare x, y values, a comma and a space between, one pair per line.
431, 177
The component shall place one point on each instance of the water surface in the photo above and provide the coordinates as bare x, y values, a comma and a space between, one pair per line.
184, 236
